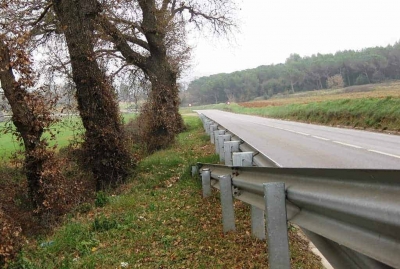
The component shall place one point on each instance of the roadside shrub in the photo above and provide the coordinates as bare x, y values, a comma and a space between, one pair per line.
63, 187
335, 82
103, 223
10, 239
101, 199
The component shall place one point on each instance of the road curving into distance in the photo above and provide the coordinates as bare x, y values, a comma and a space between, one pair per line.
294, 144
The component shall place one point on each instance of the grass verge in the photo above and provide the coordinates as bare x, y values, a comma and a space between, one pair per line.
159, 220
376, 107
374, 113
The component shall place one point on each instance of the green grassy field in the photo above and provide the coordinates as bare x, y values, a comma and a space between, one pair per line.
66, 130
159, 220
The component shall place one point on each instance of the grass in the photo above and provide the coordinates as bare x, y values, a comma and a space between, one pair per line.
66, 130
375, 106
159, 220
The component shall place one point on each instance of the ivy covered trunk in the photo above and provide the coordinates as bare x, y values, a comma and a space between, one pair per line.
104, 148
160, 119
29, 125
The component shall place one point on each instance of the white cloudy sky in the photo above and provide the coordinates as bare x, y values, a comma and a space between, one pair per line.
273, 29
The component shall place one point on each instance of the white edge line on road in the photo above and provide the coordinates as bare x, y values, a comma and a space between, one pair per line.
301, 133
349, 145
322, 138
296, 132
384, 153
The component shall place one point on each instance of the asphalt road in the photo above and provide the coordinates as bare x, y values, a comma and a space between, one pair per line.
293, 144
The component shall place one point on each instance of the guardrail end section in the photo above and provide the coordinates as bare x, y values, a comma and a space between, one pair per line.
228, 213
195, 170
276, 224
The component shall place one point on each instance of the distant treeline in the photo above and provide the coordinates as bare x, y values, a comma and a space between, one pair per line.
321, 71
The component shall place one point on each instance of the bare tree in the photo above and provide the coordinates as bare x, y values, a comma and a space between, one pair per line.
151, 35
72, 22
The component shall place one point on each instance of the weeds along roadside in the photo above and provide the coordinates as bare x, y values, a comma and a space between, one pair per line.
158, 220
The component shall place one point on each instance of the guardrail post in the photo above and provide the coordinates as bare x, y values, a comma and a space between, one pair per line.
242, 158
216, 134
229, 148
207, 126
228, 213
276, 222
206, 182
213, 128
221, 142
257, 215
257, 222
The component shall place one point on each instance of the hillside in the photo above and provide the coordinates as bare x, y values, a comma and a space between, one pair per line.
298, 74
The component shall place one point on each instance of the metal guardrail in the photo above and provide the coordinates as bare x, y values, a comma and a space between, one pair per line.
351, 215
216, 130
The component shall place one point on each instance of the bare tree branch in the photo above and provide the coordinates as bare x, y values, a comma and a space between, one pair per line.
42, 15
121, 44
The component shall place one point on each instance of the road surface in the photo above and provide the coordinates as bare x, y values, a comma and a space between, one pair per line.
294, 144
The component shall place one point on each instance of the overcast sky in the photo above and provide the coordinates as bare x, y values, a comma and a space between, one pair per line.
271, 30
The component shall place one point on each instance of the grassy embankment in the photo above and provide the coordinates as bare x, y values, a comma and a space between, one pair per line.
375, 106
159, 220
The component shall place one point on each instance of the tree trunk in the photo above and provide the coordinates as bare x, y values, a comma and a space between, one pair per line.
348, 78
105, 151
160, 119
320, 83
291, 85
366, 74
27, 124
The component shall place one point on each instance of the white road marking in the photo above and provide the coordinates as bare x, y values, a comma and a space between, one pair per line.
292, 131
325, 139
345, 144
322, 138
301, 133
384, 153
